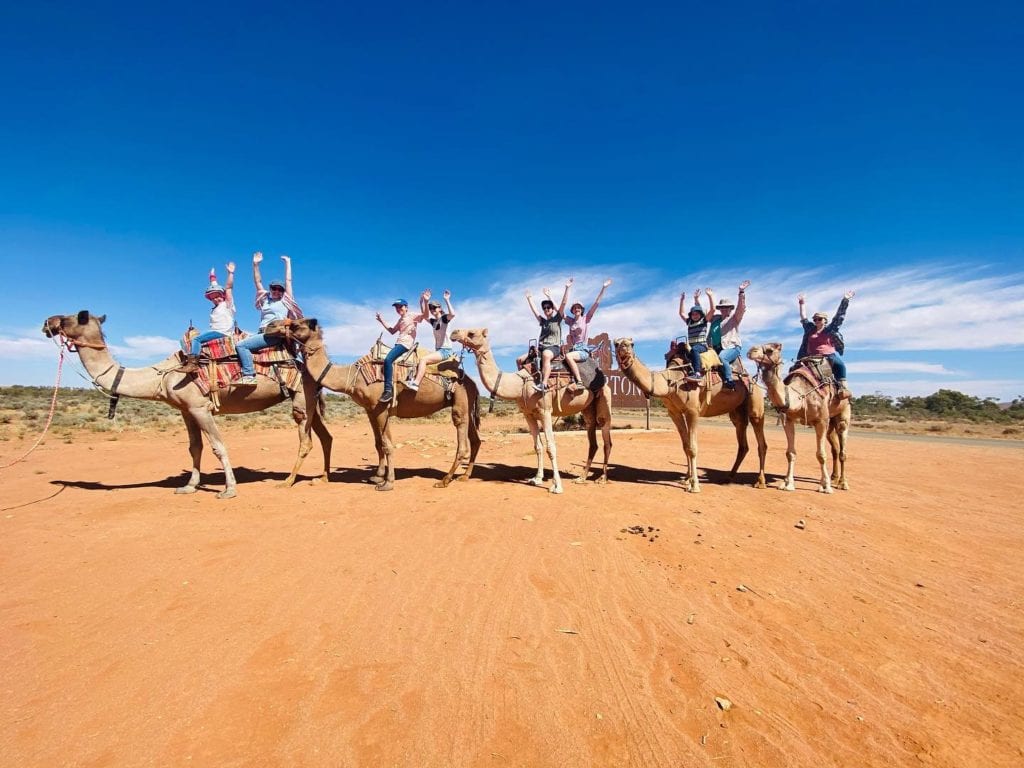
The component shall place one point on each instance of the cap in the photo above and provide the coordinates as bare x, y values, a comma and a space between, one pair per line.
434, 304
276, 284
696, 308
399, 303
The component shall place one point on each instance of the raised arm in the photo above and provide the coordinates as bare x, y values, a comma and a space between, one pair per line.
448, 304
841, 311
533, 309
711, 300
229, 284
288, 277
741, 301
257, 257
593, 307
803, 309
424, 309
682, 305
565, 296
386, 327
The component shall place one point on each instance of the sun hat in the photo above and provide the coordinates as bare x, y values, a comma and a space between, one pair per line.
725, 304
214, 288
822, 315
576, 304
399, 303
696, 308
433, 304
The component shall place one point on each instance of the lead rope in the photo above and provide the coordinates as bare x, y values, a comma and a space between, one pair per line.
49, 418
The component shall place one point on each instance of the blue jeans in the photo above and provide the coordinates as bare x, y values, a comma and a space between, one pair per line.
389, 366
204, 337
727, 356
695, 350
245, 349
838, 366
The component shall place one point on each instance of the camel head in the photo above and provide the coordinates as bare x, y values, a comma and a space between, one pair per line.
766, 355
80, 327
473, 339
302, 330
624, 352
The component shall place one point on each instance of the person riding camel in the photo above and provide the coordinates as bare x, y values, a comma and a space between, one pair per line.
442, 346
579, 328
276, 304
823, 338
549, 341
696, 332
405, 327
725, 330
222, 317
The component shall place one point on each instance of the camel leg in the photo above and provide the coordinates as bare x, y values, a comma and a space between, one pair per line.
590, 420
532, 423
389, 450
326, 442
208, 425
378, 444
842, 430
549, 434
474, 434
739, 420
460, 419
195, 449
302, 418
603, 412
789, 484
825, 483
755, 414
691, 454
680, 422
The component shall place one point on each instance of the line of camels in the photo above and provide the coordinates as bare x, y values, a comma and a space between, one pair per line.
796, 402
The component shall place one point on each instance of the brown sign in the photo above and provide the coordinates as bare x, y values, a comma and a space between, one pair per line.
625, 394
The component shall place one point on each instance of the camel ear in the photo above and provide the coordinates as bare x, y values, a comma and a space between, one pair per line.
312, 323
83, 317
484, 332
102, 319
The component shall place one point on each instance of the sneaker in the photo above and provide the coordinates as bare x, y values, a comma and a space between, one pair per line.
412, 385
729, 384
695, 377
538, 387
386, 397
247, 381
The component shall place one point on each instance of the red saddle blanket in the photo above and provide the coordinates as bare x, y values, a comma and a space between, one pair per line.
219, 367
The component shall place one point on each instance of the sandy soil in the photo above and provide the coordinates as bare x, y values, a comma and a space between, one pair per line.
495, 624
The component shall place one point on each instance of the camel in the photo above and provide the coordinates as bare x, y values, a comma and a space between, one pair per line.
538, 408
320, 372
800, 401
167, 383
688, 402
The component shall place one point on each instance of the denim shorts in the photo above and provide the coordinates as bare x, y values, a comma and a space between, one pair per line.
582, 351
445, 353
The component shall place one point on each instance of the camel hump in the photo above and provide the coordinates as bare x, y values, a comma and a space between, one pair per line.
815, 370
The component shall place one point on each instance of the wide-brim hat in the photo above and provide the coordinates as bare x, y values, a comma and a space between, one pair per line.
725, 304
433, 305
696, 308
822, 315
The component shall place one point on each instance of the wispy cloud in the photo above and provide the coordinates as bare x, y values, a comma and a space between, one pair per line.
900, 366
145, 347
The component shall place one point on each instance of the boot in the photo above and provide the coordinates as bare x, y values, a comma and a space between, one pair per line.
843, 393
191, 364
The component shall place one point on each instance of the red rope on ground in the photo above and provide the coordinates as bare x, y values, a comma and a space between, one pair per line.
49, 419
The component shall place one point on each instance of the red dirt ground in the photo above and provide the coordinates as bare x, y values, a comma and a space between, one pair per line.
495, 624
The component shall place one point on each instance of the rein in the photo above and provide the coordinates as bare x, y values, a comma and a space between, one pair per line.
49, 417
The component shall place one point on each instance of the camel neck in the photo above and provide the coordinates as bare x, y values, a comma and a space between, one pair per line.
774, 386
142, 383
651, 384
505, 387
335, 377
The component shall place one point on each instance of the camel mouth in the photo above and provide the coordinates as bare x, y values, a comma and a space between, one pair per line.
51, 326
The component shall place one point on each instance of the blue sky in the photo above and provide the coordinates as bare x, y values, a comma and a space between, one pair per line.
492, 148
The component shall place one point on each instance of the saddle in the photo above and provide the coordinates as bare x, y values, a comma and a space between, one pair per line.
816, 370
219, 366
371, 365
592, 377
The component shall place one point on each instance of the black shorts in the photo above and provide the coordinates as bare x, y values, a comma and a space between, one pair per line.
556, 351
